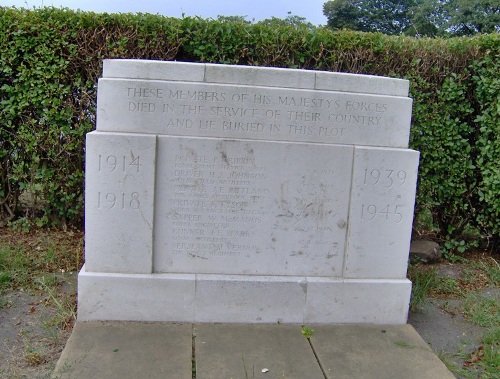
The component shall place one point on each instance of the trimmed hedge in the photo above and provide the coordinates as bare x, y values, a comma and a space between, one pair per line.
50, 60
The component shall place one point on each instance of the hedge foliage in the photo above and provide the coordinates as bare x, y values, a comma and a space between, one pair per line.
50, 60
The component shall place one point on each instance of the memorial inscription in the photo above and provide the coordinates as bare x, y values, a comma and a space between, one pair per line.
213, 110
235, 200
242, 194
119, 186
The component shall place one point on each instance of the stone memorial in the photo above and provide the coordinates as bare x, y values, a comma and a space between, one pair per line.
220, 193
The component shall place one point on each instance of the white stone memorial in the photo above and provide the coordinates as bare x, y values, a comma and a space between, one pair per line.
239, 194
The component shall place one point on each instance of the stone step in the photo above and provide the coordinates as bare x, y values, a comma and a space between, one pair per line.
124, 350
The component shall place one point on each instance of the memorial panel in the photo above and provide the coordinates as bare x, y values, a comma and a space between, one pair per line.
246, 112
119, 202
251, 207
381, 212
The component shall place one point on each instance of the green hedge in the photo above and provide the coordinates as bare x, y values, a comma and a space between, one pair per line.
50, 60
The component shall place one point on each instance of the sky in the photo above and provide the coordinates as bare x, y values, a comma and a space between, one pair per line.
255, 10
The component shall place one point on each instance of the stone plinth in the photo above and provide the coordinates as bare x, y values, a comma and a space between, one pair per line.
241, 194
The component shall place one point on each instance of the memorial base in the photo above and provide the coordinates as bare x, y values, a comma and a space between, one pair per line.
241, 299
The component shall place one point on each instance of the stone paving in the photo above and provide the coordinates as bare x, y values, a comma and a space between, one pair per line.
205, 351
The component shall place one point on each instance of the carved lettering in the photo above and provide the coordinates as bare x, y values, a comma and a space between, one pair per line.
143, 92
303, 130
208, 96
387, 212
365, 107
303, 116
234, 112
122, 201
255, 127
384, 177
215, 110
179, 123
112, 163
141, 107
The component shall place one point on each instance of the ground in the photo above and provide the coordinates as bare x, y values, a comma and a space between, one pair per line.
38, 273
32, 336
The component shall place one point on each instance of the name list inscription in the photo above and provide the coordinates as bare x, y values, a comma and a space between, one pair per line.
215, 202
234, 200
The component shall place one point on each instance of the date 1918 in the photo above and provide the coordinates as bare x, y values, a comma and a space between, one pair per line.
118, 201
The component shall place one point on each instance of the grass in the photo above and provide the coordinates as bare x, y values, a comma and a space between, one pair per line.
14, 268
453, 367
485, 312
481, 310
34, 356
404, 345
64, 306
491, 349
476, 275
27, 257
423, 282
427, 283
34, 263
34, 270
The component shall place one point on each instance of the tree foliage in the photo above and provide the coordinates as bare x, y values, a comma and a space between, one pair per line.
415, 17
385, 16
468, 17
290, 20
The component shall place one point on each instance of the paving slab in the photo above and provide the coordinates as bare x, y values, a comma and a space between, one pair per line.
109, 350
243, 351
375, 351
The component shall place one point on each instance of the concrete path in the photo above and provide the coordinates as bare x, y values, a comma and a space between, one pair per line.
102, 350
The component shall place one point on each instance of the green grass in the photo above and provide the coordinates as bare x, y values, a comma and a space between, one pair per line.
423, 282
485, 312
64, 306
31, 262
26, 258
492, 271
476, 276
15, 268
491, 349
481, 310
448, 286
20, 269
453, 367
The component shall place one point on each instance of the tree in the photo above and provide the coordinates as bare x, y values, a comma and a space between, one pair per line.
239, 19
385, 16
468, 17
290, 20
428, 18
415, 17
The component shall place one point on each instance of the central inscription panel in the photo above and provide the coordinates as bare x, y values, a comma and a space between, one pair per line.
259, 208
